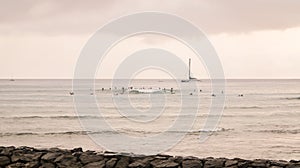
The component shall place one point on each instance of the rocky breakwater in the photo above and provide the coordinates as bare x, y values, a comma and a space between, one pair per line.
12, 157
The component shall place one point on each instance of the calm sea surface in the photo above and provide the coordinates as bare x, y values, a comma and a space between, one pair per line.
263, 123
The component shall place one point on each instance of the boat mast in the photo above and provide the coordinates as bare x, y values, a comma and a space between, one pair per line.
189, 68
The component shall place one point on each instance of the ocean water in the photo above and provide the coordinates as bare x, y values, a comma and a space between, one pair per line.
263, 123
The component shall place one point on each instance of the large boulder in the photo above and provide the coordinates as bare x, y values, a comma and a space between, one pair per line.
141, 162
16, 165
192, 163
259, 163
123, 162
4, 160
25, 157
86, 158
293, 165
67, 160
33, 164
47, 165
214, 163
99, 164
7, 151
51, 156
157, 163
230, 163
279, 163
111, 163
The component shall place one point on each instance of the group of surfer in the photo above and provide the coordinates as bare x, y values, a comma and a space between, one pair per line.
149, 91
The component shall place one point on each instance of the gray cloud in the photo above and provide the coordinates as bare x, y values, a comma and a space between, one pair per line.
213, 16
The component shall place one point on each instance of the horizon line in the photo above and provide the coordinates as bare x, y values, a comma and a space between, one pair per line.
146, 78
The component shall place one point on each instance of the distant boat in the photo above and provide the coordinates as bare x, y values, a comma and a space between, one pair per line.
190, 77
12, 80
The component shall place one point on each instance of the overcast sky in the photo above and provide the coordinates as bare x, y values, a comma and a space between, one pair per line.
253, 38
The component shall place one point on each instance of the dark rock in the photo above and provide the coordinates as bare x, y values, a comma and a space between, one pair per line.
229, 163
141, 163
67, 160
259, 163
35, 156
7, 151
178, 159
76, 150
34, 164
16, 165
280, 163
73, 165
158, 163
65, 157
50, 156
43, 150
276, 167
194, 163
214, 163
233, 166
77, 154
100, 164
239, 159
90, 151
244, 164
295, 161
55, 150
293, 165
111, 163
58, 150
47, 165
123, 162
11, 157
27, 157
4, 160
88, 158
18, 151
25, 149
136, 158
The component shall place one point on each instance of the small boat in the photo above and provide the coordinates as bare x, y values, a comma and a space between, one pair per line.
190, 78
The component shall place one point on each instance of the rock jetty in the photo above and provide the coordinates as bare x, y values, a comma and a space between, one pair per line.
12, 157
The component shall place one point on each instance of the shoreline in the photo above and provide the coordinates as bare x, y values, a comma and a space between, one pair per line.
30, 157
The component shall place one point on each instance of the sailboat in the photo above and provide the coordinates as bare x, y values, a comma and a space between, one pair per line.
190, 78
